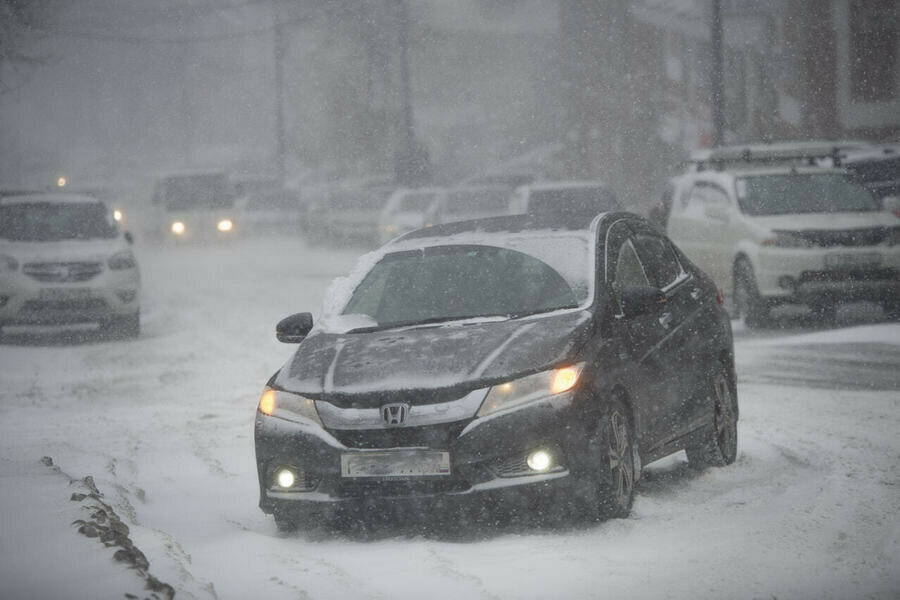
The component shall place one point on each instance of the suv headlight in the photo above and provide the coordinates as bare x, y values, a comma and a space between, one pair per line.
121, 260
787, 239
288, 406
532, 387
8, 264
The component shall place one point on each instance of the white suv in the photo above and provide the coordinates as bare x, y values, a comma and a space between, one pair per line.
776, 230
63, 259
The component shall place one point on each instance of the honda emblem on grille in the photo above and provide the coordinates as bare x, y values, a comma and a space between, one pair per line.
394, 415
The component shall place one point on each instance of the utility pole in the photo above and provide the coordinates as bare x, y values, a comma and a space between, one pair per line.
718, 76
279, 52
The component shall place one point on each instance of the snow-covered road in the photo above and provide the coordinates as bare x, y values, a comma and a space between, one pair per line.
163, 425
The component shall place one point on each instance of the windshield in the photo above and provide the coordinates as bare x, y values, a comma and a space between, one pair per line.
454, 282
52, 221
803, 193
416, 202
486, 201
575, 199
194, 192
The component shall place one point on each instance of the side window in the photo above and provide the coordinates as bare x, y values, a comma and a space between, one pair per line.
695, 202
629, 270
660, 263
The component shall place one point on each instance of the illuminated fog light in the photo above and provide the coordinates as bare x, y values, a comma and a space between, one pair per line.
540, 460
117, 215
225, 225
285, 478
61, 182
177, 227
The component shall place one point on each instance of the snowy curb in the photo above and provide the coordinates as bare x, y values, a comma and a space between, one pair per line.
104, 524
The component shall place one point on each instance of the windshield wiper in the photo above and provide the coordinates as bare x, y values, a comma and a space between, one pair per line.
435, 320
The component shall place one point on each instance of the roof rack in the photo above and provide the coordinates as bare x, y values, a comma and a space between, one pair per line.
786, 152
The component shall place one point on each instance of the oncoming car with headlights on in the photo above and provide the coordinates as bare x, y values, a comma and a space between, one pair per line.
532, 357
195, 206
64, 260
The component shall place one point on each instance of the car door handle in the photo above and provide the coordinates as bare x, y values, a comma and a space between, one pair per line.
665, 319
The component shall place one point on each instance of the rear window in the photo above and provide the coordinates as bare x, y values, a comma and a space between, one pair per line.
478, 201
592, 200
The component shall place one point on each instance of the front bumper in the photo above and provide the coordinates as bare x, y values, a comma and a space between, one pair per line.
812, 275
487, 455
109, 294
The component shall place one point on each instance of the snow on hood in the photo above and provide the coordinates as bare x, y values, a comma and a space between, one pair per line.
827, 221
92, 250
432, 357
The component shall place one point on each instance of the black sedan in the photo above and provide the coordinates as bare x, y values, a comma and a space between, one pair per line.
537, 356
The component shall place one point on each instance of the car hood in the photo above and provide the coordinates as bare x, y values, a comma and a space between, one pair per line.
827, 221
458, 357
95, 250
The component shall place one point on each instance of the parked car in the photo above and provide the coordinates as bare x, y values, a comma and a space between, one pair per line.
777, 231
471, 202
407, 209
194, 205
542, 358
585, 197
348, 213
271, 211
877, 168
63, 259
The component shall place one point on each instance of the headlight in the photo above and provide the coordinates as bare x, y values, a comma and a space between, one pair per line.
121, 260
288, 406
225, 225
177, 227
8, 264
117, 215
787, 239
532, 387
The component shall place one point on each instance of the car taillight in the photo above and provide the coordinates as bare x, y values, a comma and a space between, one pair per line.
720, 297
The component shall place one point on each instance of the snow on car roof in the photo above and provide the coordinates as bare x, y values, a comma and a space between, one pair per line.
57, 198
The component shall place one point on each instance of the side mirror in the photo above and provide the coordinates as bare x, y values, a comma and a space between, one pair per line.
294, 329
641, 299
128, 237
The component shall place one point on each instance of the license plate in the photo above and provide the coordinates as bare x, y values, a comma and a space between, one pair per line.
65, 294
853, 261
396, 463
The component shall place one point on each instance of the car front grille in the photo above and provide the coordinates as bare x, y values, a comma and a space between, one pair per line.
438, 437
62, 272
870, 236
80, 304
401, 489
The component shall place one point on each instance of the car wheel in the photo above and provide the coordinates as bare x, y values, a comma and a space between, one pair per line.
720, 448
615, 493
124, 327
747, 301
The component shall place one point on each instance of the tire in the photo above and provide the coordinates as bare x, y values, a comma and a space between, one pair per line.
615, 476
126, 327
720, 448
747, 301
